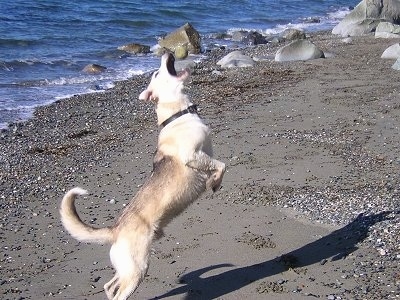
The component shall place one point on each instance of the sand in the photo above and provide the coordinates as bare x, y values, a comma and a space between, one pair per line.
309, 206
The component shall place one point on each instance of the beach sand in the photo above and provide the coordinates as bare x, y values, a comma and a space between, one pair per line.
309, 206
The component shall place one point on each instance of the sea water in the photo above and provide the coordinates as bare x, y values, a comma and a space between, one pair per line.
45, 44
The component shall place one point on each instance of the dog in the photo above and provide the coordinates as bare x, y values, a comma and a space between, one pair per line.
183, 168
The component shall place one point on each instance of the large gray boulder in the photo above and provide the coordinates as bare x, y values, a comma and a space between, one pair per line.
366, 16
235, 59
387, 30
299, 50
393, 52
184, 36
248, 37
292, 34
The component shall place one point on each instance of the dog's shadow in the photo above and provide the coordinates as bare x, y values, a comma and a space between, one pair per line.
334, 246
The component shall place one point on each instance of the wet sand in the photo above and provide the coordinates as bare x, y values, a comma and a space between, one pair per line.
309, 206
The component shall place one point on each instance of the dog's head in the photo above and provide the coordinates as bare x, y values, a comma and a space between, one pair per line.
166, 84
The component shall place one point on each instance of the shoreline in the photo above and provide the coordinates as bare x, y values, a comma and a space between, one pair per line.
231, 45
311, 192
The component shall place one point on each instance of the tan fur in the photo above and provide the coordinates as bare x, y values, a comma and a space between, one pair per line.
182, 170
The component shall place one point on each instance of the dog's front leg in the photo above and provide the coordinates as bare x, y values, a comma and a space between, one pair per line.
203, 162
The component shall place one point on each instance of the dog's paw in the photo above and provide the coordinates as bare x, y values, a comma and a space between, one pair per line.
216, 188
214, 182
158, 234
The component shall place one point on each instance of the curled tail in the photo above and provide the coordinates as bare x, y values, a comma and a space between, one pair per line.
76, 227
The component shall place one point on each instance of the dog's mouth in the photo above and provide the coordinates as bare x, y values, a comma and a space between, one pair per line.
170, 64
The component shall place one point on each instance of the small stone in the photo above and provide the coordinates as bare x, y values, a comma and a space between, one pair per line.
135, 48
94, 69
281, 281
347, 40
366, 289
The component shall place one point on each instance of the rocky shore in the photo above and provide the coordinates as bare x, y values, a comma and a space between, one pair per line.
309, 207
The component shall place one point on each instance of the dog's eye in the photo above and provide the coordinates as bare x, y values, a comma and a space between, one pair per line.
155, 74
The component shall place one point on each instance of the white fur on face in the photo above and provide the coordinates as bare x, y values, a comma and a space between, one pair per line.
162, 80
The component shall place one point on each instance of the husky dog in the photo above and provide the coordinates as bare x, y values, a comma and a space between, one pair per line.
183, 168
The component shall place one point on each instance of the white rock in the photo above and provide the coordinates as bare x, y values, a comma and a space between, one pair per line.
366, 16
393, 52
347, 40
299, 50
236, 59
396, 65
387, 30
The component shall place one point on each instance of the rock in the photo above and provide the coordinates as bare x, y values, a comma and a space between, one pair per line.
367, 15
396, 65
236, 59
387, 30
299, 50
186, 64
94, 69
275, 39
159, 51
185, 35
181, 52
221, 36
347, 40
312, 20
239, 36
292, 34
263, 58
393, 52
248, 37
135, 48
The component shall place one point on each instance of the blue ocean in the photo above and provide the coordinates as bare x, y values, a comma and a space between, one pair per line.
45, 44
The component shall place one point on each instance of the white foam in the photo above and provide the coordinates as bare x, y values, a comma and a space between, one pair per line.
75, 80
339, 14
325, 22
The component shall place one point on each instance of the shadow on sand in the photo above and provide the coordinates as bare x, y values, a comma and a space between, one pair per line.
334, 246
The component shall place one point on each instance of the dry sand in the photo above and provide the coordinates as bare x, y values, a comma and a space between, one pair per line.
309, 206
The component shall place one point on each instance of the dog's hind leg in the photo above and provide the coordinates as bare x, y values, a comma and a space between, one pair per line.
203, 162
110, 287
130, 260
127, 285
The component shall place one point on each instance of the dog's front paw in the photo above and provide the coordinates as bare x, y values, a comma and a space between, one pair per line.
214, 182
158, 234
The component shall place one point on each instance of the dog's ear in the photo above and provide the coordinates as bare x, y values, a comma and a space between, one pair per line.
145, 95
